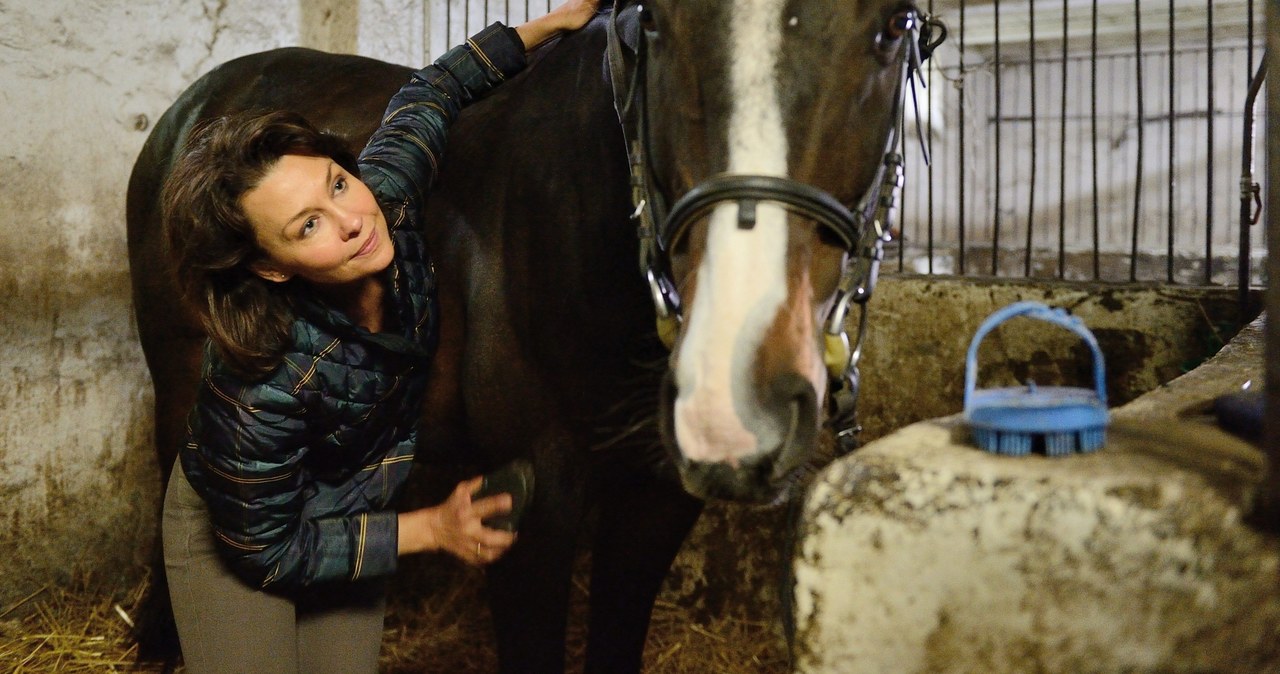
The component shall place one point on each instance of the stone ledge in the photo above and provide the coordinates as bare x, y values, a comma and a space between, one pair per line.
921, 553
1239, 363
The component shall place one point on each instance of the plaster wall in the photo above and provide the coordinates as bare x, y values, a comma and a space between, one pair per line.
80, 84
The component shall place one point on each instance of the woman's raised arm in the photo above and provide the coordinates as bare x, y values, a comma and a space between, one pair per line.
571, 15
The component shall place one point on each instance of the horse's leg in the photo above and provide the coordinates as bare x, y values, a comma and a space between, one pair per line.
174, 363
529, 588
175, 377
641, 528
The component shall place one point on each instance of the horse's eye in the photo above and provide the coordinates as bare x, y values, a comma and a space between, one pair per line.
900, 24
647, 21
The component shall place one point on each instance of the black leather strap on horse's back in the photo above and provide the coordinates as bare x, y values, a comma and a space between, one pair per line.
625, 53
623, 30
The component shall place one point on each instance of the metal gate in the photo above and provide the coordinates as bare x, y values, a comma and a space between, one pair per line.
1072, 139
449, 22
1087, 139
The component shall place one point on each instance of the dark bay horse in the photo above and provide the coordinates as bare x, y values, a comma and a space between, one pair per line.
762, 123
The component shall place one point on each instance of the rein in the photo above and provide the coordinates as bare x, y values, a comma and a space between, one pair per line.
863, 229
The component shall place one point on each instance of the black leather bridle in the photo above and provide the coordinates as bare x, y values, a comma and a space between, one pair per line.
863, 229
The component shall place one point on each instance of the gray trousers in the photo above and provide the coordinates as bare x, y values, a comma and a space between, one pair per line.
227, 626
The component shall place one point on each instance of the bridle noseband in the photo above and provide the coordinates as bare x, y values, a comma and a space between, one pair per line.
800, 198
862, 229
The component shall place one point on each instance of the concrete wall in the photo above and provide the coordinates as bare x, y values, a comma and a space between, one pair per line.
921, 327
80, 84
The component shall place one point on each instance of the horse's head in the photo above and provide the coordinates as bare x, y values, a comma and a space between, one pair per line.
760, 129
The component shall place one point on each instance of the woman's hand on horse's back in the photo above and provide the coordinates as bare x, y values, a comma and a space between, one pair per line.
576, 13
456, 526
569, 15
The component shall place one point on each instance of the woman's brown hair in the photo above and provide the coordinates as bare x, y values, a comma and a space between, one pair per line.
212, 243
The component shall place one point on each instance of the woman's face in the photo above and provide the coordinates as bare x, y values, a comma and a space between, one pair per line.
316, 221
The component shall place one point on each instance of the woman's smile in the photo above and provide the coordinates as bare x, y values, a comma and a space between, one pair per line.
369, 245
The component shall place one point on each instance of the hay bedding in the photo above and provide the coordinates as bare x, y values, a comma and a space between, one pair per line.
439, 626
71, 628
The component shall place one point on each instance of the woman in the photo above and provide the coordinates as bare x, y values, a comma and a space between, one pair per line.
310, 271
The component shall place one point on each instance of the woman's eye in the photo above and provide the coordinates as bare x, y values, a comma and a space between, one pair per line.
308, 227
339, 185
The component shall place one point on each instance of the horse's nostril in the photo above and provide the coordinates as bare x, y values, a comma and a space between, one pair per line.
790, 438
792, 396
800, 414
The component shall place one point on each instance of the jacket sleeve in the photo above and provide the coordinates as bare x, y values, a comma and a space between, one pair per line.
248, 442
402, 158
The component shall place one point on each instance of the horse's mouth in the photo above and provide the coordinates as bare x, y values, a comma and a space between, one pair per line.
766, 477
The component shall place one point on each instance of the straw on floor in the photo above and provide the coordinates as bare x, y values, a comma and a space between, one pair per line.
436, 623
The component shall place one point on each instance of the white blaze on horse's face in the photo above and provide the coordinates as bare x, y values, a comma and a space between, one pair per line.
742, 281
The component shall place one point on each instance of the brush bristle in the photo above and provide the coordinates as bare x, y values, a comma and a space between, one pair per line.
1011, 443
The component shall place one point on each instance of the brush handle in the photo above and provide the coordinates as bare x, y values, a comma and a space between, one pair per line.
1057, 316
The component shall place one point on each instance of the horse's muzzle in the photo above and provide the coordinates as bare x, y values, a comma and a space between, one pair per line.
766, 476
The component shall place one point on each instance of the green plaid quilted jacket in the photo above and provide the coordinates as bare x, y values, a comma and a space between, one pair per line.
299, 470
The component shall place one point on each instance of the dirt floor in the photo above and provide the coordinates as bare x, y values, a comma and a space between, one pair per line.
442, 626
